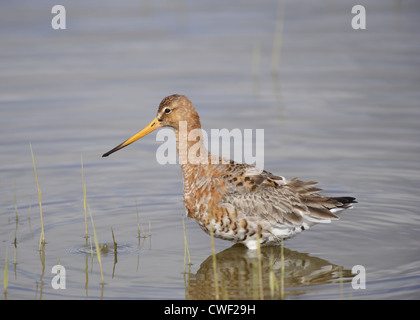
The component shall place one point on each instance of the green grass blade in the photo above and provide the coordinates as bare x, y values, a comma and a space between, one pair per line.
213, 250
84, 200
260, 278
5, 275
98, 249
42, 240
282, 271
187, 250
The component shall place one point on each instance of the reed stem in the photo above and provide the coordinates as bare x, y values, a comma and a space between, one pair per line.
213, 250
5, 275
139, 227
260, 281
282, 271
42, 239
84, 200
186, 250
98, 249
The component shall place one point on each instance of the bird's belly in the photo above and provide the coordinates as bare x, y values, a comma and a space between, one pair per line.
248, 231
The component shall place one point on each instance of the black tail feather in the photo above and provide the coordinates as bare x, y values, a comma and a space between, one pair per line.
346, 201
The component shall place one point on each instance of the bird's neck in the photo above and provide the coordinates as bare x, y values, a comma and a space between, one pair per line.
193, 155
191, 144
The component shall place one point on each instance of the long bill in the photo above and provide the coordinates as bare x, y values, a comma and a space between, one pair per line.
149, 128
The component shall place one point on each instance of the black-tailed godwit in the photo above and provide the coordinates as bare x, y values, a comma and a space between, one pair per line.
239, 202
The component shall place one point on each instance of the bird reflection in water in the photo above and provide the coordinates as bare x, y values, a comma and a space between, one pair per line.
238, 269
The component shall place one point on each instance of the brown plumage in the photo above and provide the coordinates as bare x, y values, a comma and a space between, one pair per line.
235, 201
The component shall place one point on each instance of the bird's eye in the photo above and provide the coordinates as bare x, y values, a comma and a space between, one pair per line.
167, 110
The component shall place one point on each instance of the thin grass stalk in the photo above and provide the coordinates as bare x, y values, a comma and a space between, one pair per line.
213, 250
150, 229
86, 274
91, 255
5, 275
98, 249
260, 281
255, 288
113, 240
16, 210
16, 217
187, 280
150, 235
225, 295
115, 253
282, 271
275, 56
84, 200
41, 277
139, 227
186, 249
138, 222
274, 285
30, 208
15, 261
42, 238
340, 271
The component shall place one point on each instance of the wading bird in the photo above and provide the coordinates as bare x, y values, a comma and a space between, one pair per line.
235, 201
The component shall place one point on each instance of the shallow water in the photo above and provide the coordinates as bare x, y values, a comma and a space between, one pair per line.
343, 109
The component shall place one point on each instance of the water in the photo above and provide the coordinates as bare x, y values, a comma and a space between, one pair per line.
343, 110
